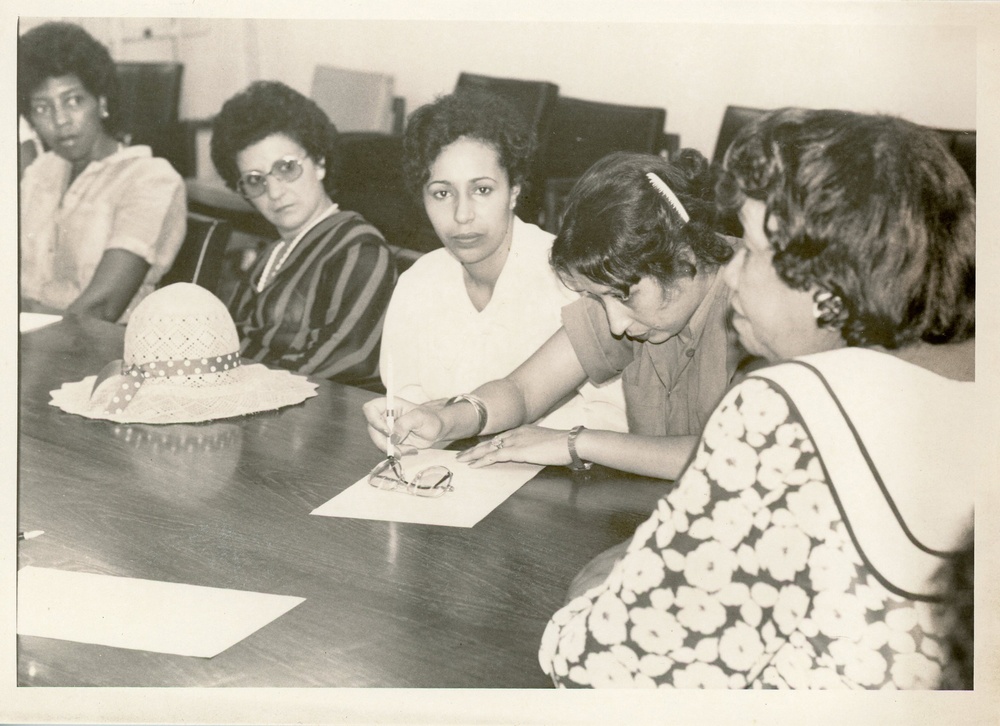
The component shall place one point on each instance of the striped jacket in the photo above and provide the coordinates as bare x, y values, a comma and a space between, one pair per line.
322, 313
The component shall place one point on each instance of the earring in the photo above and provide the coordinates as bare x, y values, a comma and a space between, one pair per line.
828, 309
103, 111
321, 173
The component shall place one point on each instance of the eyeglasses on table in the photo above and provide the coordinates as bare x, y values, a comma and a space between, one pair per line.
388, 475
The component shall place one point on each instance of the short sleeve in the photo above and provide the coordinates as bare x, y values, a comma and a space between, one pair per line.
150, 216
600, 354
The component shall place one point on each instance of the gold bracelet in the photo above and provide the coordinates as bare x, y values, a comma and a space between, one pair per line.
478, 404
576, 463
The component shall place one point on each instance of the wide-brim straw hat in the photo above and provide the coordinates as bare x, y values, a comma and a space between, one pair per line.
181, 364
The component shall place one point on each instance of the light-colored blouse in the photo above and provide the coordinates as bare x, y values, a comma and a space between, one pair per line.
672, 387
128, 200
795, 550
441, 345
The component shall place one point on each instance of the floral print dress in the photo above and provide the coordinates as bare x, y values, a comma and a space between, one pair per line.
747, 576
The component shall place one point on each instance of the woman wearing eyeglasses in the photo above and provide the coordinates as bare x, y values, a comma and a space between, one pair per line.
101, 222
315, 299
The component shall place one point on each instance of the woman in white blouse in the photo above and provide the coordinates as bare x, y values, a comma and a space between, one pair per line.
474, 310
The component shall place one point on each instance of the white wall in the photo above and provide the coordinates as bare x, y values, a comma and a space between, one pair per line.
924, 72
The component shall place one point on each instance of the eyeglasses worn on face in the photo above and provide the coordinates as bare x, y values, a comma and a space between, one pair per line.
252, 184
434, 481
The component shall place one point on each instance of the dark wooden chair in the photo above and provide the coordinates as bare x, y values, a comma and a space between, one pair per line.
583, 132
148, 106
536, 101
962, 145
734, 119
200, 258
370, 182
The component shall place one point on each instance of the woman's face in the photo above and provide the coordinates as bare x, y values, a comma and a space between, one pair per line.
650, 312
772, 319
290, 206
470, 201
68, 118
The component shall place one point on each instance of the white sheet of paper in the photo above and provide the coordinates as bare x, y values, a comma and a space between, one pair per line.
477, 493
125, 612
33, 321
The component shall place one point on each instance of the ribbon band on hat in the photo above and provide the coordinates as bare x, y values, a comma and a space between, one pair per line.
137, 374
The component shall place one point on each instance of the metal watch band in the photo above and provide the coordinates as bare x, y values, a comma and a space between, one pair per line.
576, 463
478, 404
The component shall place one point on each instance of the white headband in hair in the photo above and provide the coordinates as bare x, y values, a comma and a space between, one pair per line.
665, 191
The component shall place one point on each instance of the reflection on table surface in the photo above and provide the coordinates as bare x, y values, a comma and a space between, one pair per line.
226, 504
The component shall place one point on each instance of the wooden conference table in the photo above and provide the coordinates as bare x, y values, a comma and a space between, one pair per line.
226, 504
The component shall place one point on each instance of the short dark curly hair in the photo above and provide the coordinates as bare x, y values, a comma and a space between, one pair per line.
871, 208
265, 108
475, 114
57, 49
617, 228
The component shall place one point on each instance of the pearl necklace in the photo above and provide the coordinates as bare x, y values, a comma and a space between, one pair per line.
274, 264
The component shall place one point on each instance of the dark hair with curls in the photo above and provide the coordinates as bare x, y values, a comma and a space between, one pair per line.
617, 228
870, 208
53, 50
475, 114
265, 108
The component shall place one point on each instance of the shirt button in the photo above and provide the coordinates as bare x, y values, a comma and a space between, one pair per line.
689, 352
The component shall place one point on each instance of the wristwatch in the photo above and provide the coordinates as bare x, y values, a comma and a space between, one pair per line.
576, 463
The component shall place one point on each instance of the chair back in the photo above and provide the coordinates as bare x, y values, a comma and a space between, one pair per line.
149, 93
734, 119
149, 107
201, 255
962, 145
582, 132
370, 182
535, 100
354, 100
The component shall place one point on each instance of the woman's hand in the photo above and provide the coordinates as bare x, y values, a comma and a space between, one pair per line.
416, 427
528, 444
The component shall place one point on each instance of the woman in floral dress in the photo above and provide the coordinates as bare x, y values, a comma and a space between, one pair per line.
804, 543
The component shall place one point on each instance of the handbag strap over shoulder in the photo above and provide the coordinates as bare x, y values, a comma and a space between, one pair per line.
892, 553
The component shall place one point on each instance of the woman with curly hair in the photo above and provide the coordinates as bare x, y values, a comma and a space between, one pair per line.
315, 300
476, 309
803, 545
100, 222
639, 241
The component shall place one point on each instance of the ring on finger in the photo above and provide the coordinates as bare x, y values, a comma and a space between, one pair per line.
497, 443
